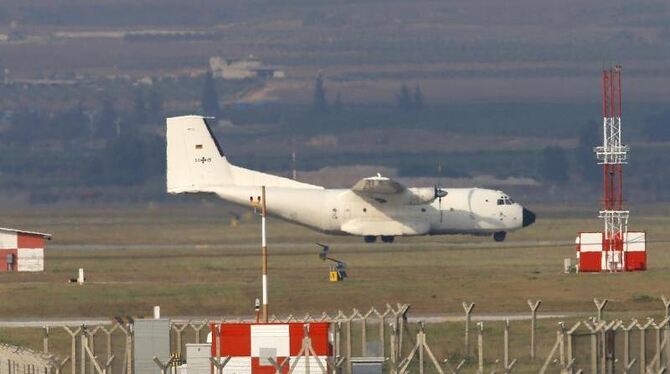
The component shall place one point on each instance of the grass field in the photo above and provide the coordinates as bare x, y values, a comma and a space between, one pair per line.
188, 259
191, 261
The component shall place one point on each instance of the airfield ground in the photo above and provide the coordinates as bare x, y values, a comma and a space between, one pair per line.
188, 259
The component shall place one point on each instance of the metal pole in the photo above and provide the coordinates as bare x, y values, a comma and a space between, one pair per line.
45, 340
83, 344
348, 346
600, 305
626, 343
264, 255
480, 344
468, 312
533, 310
419, 338
643, 347
506, 345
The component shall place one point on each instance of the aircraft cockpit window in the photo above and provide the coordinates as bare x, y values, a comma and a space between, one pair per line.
501, 202
508, 202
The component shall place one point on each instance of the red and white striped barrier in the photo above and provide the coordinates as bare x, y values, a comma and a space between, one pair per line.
591, 256
249, 344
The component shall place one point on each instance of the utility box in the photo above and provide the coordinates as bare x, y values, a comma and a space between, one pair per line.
152, 339
367, 365
197, 358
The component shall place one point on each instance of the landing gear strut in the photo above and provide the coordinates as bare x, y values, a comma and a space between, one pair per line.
388, 238
370, 238
499, 236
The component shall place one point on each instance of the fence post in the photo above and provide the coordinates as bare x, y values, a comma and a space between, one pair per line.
45, 340
392, 349
73, 349
348, 346
364, 333
217, 331
594, 344
643, 345
219, 365
91, 344
600, 305
480, 345
468, 312
83, 344
197, 328
608, 357
626, 342
161, 365
666, 304
534, 305
178, 332
506, 345
560, 335
420, 337
569, 349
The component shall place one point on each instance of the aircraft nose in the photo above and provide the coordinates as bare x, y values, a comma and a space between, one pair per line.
528, 217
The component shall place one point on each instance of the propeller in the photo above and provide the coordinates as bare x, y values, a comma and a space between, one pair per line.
439, 191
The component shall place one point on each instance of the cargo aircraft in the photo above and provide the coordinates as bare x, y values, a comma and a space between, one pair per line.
374, 207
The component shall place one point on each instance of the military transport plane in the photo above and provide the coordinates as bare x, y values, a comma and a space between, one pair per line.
374, 207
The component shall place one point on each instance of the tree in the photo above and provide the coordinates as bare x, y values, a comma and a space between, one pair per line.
155, 105
553, 165
106, 119
404, 98
337, 106
210, 97
418, 97
584, 156
319, 101
140, 109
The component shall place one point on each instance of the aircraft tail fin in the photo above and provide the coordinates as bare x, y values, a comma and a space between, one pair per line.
195, 161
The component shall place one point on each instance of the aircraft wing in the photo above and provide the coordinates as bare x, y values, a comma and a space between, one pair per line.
378, 185
383, 189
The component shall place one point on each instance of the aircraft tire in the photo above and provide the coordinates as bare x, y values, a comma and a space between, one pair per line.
370, 238
388, 238
499, 236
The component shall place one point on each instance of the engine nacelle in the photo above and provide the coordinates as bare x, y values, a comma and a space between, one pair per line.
421, 196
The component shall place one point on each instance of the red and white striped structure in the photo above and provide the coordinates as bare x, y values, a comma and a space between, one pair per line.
248, 344
613, 249
592, 258
22, 250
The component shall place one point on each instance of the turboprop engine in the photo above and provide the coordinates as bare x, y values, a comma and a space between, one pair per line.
424, 195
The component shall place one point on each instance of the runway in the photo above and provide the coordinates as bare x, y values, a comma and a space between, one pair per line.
84, 251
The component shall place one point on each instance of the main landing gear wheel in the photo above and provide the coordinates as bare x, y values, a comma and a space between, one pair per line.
388, 238
370, 238
499, 236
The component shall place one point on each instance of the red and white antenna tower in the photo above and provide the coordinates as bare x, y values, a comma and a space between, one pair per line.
615, 249
612, 155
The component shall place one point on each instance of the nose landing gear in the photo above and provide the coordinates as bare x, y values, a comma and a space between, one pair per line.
499, 236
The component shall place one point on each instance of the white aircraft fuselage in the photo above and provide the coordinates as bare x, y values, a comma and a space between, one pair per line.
374, 207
